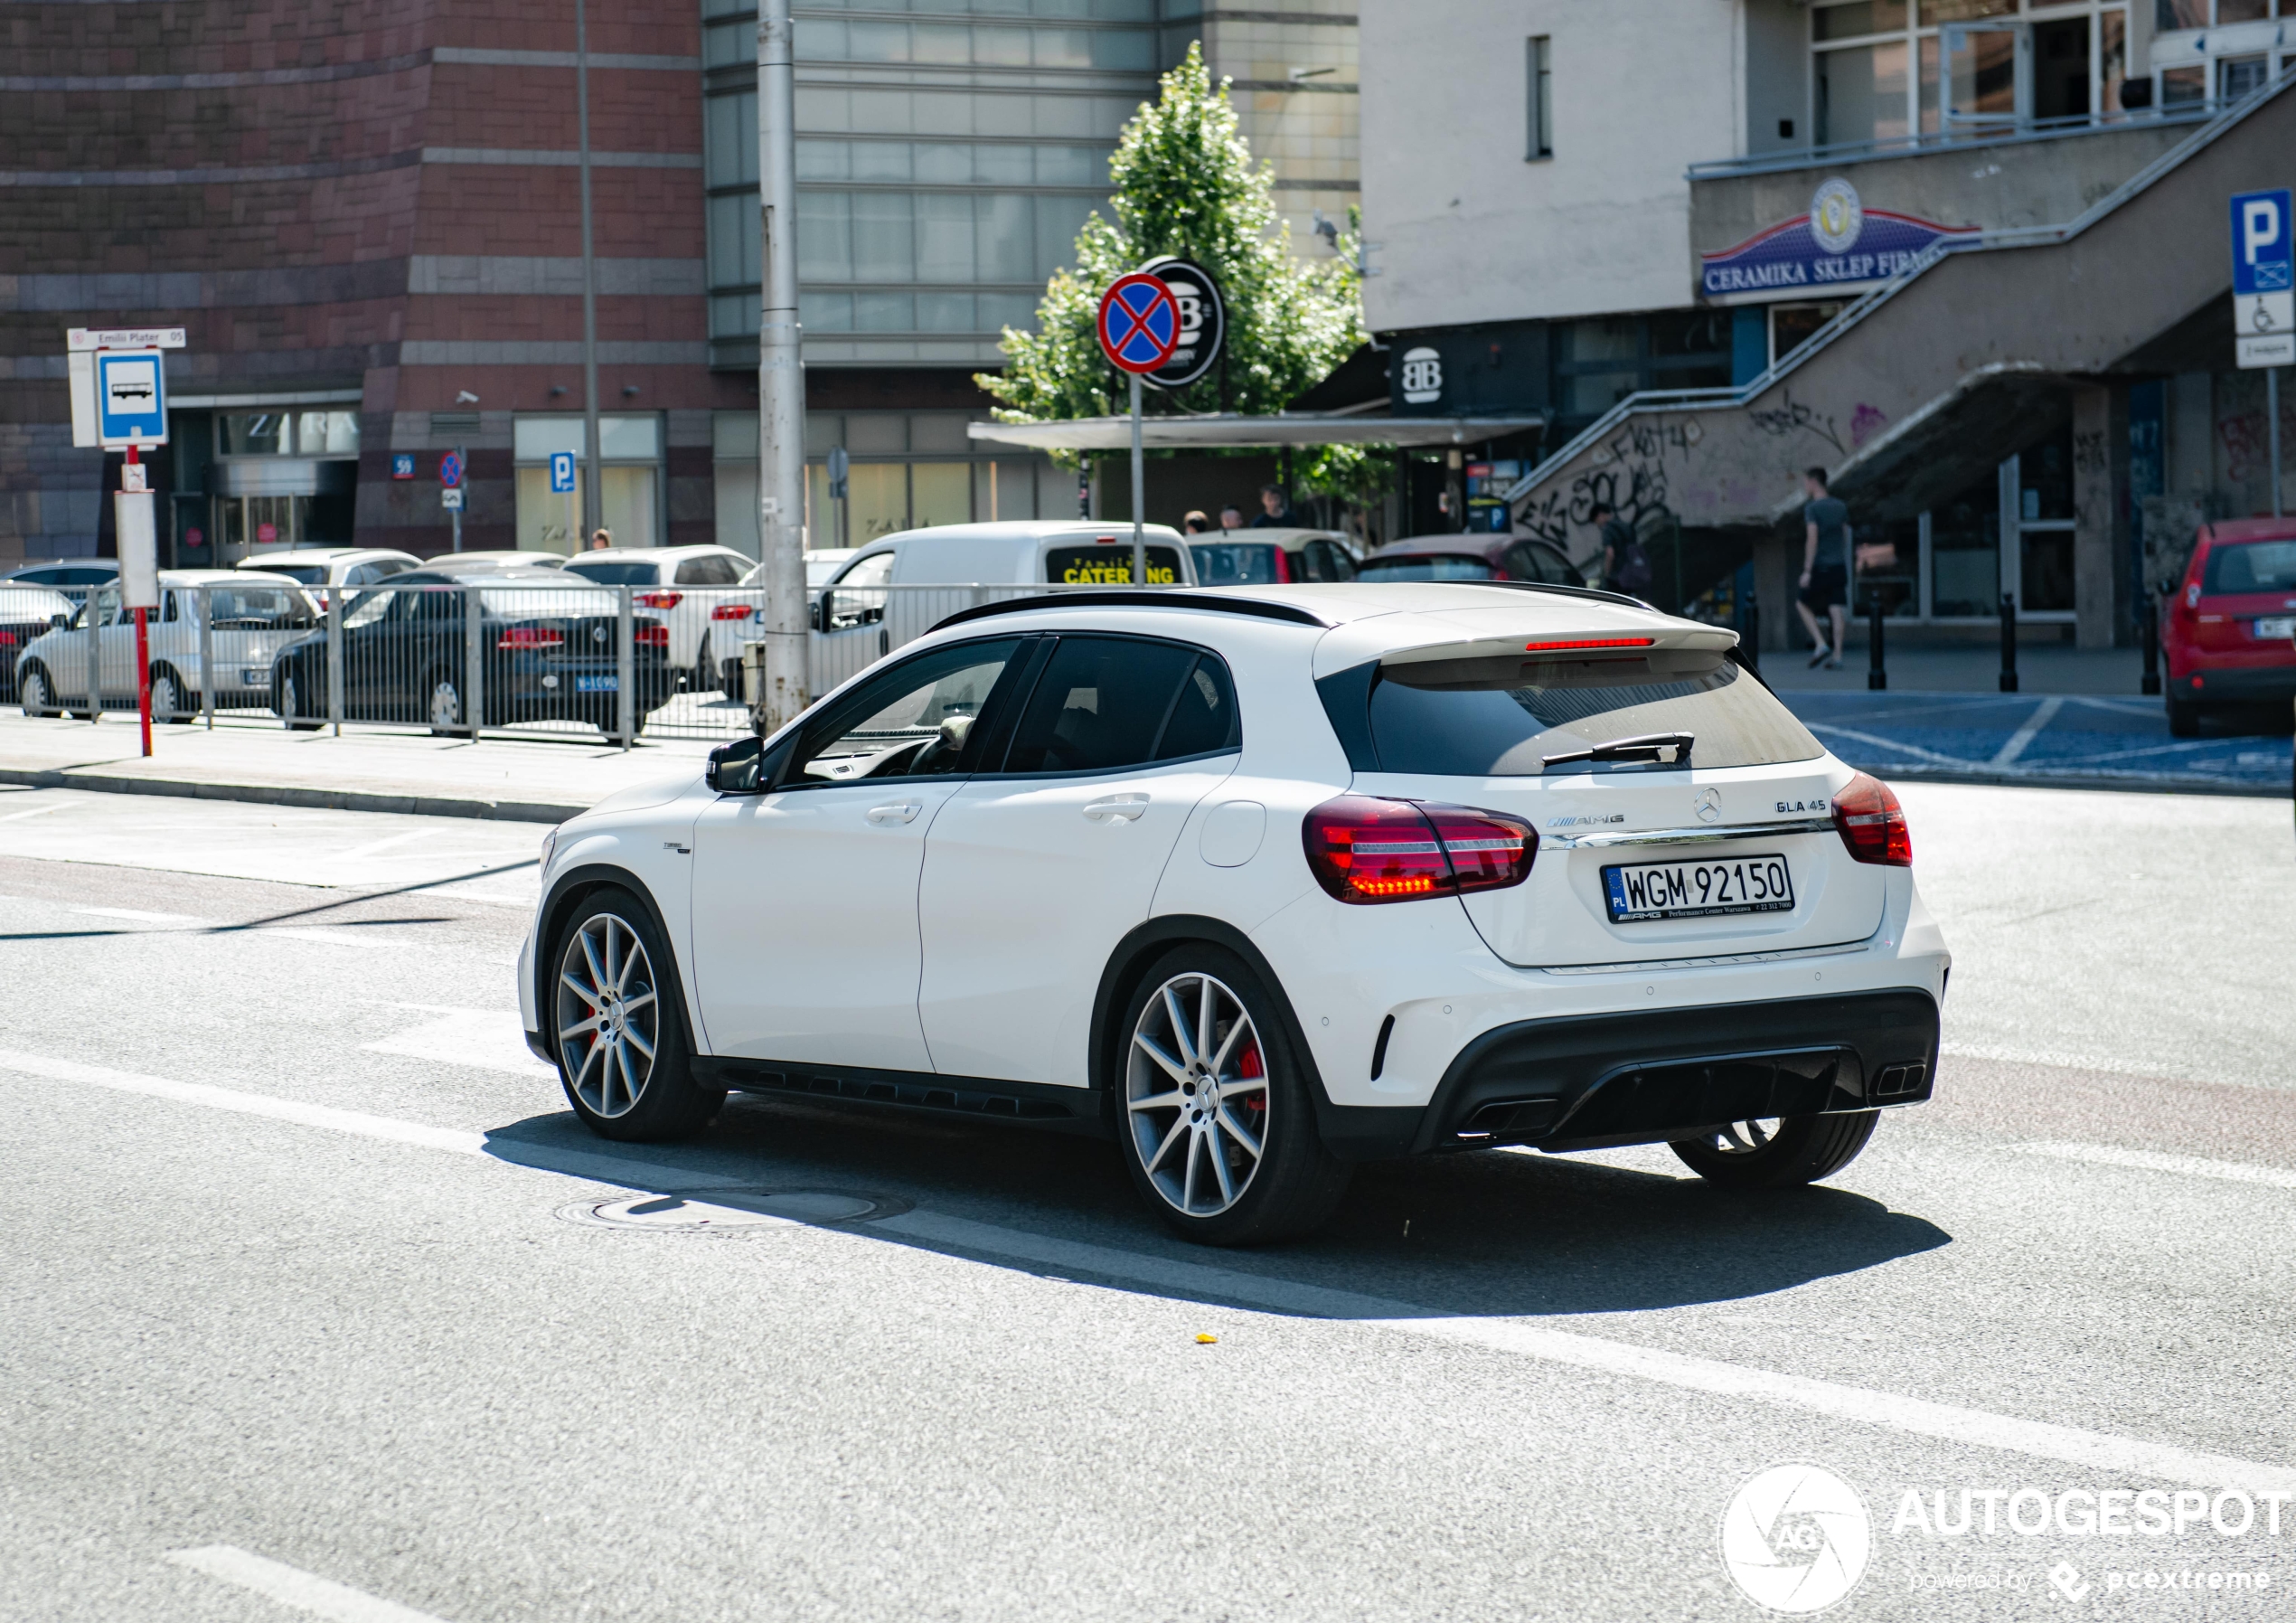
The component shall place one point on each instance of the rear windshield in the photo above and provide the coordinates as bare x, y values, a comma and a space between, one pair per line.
1108, 565
257, 608
617, 574
1226, 563
2252, 566
310, 574
1506, 717
1438, 568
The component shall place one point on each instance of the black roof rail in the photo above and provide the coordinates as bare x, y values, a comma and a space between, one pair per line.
1594, 593
1151, 598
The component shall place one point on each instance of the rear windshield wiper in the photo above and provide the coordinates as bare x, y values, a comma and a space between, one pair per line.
1643, 746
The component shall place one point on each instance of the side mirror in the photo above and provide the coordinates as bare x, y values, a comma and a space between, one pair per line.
735, 768
57, 622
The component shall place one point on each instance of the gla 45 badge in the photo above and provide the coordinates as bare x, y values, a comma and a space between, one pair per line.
1818, 805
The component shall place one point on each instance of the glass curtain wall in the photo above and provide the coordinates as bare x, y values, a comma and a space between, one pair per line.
945, 162
630, 483
1894, 70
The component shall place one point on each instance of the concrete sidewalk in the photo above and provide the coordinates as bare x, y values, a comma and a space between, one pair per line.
362, 770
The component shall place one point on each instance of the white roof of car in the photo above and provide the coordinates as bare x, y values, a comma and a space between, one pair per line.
620, 552
240, 576
1358, 622
321, 556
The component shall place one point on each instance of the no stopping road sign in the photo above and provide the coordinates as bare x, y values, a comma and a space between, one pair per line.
1140, 325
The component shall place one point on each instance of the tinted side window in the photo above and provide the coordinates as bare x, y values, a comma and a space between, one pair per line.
1203, 719
914, 721
711, 571
1101, 705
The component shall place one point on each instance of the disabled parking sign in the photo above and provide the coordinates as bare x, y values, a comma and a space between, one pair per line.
2263, 278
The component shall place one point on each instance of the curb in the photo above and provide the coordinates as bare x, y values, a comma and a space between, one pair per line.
2074, 780
281, 794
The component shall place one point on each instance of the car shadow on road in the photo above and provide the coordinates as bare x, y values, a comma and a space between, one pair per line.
1490, 1233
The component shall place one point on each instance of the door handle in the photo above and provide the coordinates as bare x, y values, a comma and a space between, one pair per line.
900, 811
1116, 808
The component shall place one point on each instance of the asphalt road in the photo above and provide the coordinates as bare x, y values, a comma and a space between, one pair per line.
307, 1307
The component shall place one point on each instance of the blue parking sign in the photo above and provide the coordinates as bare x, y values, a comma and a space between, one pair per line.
2264, 260
561, 472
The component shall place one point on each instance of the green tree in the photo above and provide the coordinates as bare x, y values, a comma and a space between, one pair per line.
1185, 183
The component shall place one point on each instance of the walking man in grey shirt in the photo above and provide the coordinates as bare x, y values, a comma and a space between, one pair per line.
1825, 568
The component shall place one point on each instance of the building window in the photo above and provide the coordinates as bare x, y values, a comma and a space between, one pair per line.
629, 481
1538, 111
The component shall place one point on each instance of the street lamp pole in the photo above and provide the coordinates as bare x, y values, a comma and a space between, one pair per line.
781, 381
590, 493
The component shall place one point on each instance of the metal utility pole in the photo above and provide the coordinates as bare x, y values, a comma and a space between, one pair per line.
1139, 472
781, 381
590, 492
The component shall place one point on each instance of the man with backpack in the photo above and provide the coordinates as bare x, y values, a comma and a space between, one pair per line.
1626, 567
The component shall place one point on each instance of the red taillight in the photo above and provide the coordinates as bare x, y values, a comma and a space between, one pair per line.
7, 639
1872, 823
1364, 850
658, 600
531, 637
655, 636
1283, 566
732, 611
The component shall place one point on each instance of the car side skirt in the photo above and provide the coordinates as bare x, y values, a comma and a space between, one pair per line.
1024, 1104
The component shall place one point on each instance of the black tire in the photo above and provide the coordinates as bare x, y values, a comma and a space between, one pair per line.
38, 690
1294, 1185
1799, 1149
602, 1080
287, 701
2184, 719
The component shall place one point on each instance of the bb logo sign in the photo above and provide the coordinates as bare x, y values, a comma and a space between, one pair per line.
1422, 376
1796, 1539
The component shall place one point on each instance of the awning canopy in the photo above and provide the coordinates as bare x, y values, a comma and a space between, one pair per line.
1230, 430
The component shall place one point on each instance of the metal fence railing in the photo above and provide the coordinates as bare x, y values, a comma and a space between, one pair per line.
524, 658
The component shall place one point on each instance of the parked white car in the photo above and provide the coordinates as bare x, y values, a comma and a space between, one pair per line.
854, 621
319, 568
254, 615
688, 586
1265, 881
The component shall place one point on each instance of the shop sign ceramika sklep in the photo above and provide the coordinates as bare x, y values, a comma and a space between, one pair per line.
1838, 243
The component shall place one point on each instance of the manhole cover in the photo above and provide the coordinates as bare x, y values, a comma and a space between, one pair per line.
730, 1211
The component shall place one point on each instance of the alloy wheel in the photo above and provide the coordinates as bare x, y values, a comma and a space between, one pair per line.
446, 704
165, 701
1195, 1095
35, 693
1743, 1137
609, 1018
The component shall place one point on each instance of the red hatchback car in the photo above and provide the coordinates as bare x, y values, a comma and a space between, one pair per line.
2230, 631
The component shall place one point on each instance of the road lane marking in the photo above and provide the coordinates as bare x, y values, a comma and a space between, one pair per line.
2035, 725
1917, 1417
2191, 1166
372, 846
37, 811
292, 1586
489, 1039
143, 916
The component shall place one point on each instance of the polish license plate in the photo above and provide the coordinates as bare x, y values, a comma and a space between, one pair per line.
2279, 630
1739, 884
597, 684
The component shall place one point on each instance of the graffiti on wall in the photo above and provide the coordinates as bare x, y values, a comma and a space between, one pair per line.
1628, 475
1791, 416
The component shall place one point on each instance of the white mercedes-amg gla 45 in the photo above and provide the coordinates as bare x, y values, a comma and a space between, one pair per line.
1262, 882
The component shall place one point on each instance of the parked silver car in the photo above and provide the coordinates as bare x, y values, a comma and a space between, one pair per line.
248, 616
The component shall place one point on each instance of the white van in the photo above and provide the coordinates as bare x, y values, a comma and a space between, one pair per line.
901, 586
